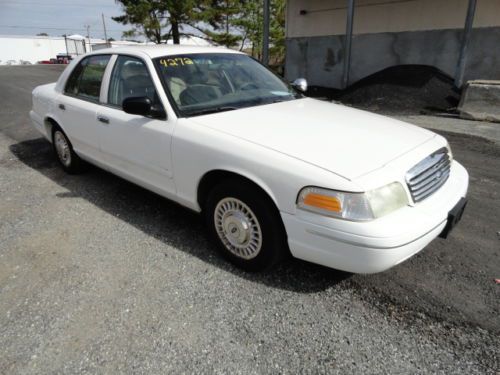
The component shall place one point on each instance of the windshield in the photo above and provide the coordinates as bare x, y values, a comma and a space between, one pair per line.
215, 82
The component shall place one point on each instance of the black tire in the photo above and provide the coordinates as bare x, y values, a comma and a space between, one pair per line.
68, 159
273, 241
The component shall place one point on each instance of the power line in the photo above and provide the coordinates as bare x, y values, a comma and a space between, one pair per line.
43, 3
50, 28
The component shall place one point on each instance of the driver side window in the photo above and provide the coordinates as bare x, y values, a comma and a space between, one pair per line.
130, 78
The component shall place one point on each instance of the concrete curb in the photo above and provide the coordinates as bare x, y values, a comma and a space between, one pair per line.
481, 101
482, 129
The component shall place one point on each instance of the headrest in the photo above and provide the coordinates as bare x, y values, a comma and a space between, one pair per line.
133, 69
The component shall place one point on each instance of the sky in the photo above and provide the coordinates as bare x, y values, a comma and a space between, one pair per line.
58, 17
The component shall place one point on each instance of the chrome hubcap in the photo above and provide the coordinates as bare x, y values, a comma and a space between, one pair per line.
62, 148
238, 228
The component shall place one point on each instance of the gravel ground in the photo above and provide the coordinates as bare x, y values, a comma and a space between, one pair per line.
100, 276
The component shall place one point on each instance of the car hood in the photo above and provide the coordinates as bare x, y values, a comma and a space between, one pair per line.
343, 140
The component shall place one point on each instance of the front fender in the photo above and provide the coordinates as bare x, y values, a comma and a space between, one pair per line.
197, 150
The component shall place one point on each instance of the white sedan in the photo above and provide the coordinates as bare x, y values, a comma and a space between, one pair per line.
272, 171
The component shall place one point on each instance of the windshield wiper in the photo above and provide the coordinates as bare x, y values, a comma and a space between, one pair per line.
211, 110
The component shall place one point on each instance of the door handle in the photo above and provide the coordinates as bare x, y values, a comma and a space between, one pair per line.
62, 106
103, 119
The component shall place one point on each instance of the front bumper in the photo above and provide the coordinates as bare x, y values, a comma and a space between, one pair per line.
375, 246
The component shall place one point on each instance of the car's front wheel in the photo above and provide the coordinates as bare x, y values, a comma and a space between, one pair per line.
246, 225
63, 149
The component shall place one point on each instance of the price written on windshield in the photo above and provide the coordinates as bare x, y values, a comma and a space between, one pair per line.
177, 61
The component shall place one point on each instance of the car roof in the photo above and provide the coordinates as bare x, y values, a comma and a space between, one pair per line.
159, 50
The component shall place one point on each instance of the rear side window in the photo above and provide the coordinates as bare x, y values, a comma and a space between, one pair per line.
85, 80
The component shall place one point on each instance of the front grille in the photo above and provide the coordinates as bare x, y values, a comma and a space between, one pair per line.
429, 175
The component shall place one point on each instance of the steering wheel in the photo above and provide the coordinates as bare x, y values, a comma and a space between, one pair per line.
249, 86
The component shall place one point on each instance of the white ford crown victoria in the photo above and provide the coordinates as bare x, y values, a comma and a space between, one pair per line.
271, 170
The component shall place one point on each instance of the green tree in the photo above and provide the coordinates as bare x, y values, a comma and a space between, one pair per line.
145, 16
180, 13
277, 31
252, 24
152, 18
222, 16
226, 22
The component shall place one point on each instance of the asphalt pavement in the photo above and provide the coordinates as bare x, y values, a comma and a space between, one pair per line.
98, 275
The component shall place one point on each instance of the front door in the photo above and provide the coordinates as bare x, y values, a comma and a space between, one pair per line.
136, 147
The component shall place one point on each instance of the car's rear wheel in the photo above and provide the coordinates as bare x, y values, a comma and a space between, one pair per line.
246, 225
63, 149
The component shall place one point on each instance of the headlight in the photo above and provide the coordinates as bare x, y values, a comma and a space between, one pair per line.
386, 199
353, 206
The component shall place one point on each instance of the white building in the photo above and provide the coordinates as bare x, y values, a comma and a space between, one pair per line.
18, 49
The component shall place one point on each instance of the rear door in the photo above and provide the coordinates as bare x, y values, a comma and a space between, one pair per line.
136, 147
77, 106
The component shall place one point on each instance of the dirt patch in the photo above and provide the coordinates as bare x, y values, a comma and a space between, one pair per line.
406, 89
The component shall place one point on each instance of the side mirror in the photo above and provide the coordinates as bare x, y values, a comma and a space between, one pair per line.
300, 84
143, 106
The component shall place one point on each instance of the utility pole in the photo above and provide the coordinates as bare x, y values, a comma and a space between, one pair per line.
265, 36
469, 20
105, 33
66, 44
348, 44
88, 36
